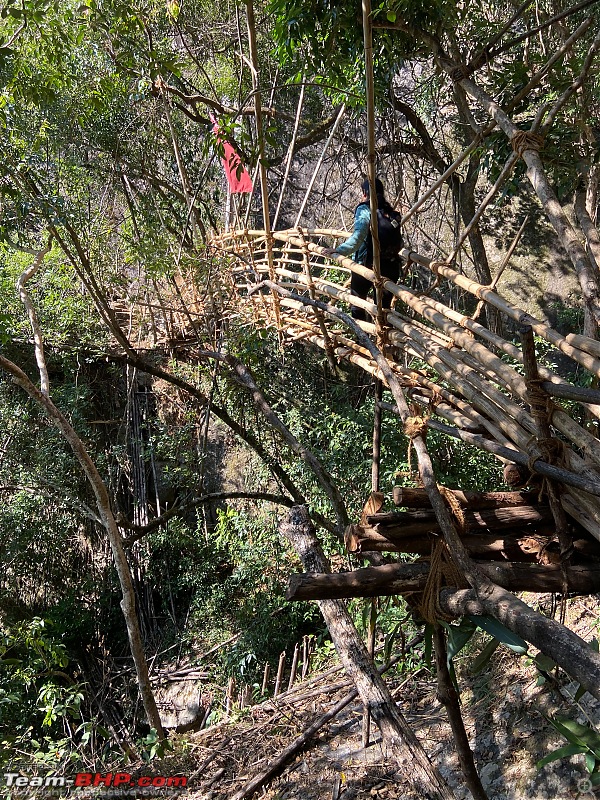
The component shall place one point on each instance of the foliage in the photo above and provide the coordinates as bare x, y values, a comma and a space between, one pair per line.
459, 634
39, 701
583, 739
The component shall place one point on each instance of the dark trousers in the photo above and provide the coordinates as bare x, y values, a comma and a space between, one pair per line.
359, 286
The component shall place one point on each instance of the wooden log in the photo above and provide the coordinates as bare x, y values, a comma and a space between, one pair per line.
417, 498
391, 579
265, 682
398, 524
510, 545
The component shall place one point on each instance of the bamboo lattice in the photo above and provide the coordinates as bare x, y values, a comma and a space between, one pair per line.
460, 376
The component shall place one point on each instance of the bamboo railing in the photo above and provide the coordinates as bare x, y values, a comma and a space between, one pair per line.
469, 380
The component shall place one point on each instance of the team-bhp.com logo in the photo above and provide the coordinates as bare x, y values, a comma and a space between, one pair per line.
113, 780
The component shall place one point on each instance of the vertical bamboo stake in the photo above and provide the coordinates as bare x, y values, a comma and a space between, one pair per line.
294, 666
264, 188
229, 695
375, 482
377, 414
305, 655
371, 164
278, 679
265, 682
313, 295
371, 156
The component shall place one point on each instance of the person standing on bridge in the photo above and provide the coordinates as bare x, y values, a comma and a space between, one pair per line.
360, 245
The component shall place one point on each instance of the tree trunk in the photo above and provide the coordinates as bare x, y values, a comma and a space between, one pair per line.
398, 736
120, 559
418, 498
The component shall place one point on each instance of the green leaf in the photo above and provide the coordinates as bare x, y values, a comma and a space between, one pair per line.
501, 632
590, 762
561, 752
458, 636
576, 733
391, 16
544, 663
484, 657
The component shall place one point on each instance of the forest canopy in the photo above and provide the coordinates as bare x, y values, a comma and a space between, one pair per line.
181, 364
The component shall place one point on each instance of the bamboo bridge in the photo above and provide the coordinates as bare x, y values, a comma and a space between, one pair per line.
463, 379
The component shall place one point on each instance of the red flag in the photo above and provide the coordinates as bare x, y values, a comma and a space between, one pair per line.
237, 176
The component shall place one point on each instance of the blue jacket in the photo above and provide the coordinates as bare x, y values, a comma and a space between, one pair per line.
357, 242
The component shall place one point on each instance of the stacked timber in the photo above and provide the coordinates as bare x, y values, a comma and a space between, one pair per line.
510, 535
494, 526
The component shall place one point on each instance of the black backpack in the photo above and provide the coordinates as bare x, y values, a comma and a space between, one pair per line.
390, 234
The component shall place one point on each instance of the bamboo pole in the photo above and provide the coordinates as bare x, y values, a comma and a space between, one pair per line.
318, 165
542, 423
264, 186
372, 157
290, 153
503, 265
294, 666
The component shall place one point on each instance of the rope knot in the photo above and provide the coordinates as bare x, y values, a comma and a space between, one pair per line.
526, 140
416, 426
459, 73
442, 572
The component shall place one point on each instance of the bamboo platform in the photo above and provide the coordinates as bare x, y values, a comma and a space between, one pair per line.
470, 383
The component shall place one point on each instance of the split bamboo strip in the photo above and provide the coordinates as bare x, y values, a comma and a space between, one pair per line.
542, 329
472, 418
471, 387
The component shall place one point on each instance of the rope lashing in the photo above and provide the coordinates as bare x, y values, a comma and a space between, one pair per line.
455, 507
549, 449
434, 266
539, 401
416, 426
459, 73
435, 399
442, 572
521, 141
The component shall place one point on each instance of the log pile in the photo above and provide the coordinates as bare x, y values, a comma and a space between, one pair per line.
495, 526
509, 534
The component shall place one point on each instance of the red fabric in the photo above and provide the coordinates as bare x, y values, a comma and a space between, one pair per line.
238, 179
